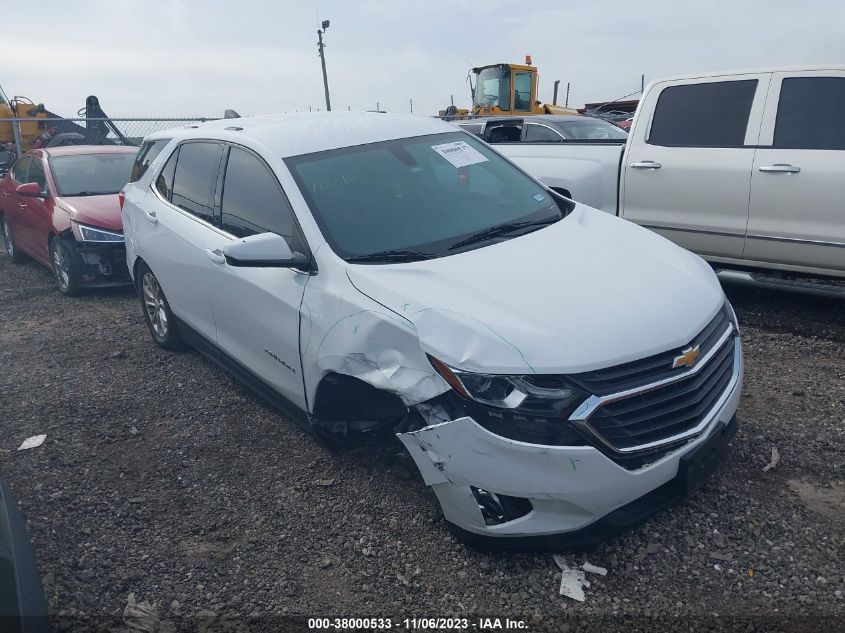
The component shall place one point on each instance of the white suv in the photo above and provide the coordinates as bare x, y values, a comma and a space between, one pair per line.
554, 372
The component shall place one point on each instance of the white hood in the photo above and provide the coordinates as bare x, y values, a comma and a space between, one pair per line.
587, 292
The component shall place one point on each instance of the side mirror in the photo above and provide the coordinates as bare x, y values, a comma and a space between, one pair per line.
30, 190
265, 250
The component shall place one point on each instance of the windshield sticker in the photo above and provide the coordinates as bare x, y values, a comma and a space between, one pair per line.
539, 197
459, 153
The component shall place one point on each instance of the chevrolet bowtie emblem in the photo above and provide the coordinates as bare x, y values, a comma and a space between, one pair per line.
687, 358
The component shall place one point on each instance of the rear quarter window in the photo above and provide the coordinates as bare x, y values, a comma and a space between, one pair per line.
146, 154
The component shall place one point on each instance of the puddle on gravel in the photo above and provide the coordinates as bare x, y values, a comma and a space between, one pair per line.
828, 501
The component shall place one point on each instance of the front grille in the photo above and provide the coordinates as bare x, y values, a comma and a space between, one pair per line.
644, 371
662, 413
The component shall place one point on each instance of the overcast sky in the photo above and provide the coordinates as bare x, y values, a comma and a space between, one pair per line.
191, 57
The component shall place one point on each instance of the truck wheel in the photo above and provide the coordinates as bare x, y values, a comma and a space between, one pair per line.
65, 267
157, 314
14, 253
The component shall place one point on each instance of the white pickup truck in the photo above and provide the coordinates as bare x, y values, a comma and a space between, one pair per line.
747, 169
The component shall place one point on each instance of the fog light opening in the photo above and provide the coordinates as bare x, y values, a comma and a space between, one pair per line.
497, 508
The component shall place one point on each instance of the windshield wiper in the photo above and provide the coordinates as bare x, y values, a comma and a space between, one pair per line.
89, 193
391, 256
502, 229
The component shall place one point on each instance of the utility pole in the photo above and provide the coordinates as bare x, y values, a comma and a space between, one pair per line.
321, 46
567, 95
412, 106
642, 82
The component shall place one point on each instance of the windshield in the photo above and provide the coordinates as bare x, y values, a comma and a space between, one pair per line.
91, 174
591, 130
493, 88
425, 196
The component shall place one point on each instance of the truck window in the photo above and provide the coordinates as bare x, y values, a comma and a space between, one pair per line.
522, 92
811, 113
510, 133
540, 133
703, 115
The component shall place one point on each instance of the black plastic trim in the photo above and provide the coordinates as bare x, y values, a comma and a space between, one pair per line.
245, 376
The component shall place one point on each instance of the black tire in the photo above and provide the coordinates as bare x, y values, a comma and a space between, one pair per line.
14, 252
66, 267
158, 316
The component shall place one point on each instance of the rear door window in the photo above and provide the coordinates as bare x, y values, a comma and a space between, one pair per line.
20, 169
711, 114
146, 154
811, 113
253, 201
196, 178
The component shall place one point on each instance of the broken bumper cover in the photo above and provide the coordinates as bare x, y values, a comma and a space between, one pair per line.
579, 496
102, 265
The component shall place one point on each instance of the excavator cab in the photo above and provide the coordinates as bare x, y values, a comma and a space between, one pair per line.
505, 89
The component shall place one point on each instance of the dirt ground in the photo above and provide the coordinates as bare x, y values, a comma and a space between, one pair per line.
163, 478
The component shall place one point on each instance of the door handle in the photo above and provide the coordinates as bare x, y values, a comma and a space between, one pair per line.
646, 164
780, 168
216, 255
151, 216
21, 205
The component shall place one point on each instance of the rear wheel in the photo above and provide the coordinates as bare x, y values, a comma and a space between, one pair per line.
157, 314
16, 255
65, 267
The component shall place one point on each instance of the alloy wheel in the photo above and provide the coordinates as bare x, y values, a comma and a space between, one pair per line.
154, 304
60, 266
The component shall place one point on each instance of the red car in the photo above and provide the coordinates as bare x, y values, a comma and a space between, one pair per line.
60, 207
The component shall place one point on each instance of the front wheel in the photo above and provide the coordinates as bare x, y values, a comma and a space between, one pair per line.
11, 248
157, 314
65, 267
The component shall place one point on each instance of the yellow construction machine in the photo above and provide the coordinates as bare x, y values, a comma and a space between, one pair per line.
24, 133
506, 90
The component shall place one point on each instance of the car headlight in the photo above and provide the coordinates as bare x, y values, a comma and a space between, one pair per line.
732, 314
541, 394
85, 233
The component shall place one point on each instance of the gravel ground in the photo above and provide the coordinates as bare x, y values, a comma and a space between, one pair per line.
163, 478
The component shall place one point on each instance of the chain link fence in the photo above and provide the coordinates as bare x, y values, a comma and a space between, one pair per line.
19, 135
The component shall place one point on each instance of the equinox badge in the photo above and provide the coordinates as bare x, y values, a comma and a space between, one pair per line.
687, 357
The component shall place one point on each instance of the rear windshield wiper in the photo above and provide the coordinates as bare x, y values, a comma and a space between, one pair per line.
391, 256
502, 229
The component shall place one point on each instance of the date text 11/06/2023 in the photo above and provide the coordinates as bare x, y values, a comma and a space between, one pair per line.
423, 624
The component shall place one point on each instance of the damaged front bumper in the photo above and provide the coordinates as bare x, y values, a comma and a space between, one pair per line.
576, 495
102, 265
